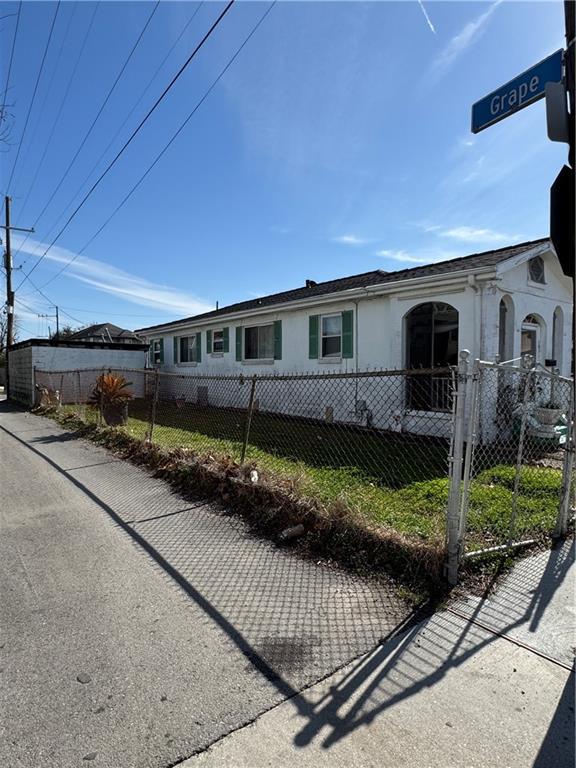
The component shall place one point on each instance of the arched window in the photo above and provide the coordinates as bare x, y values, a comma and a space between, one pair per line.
536, 270
506, 329
531, 337
431, 342
557, 336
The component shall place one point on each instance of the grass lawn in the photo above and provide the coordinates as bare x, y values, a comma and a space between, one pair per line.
397, 481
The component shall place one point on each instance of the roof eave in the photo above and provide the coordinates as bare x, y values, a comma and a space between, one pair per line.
372, 290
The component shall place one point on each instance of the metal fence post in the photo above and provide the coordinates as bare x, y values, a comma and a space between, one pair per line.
248, 420
471, 438
455, 472
561, 527
519, 457
152, 419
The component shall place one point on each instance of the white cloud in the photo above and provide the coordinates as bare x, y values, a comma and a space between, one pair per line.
428, 21
427, 256
469, 34
350, 240
477, 235
116, 282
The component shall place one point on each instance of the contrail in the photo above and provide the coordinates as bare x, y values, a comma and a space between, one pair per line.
432, 28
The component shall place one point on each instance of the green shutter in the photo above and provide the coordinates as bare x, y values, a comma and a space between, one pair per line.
226, 338
198, 347
239, 343
208, 342
348, 333
176, 340
313, 337
161, 351
277, 339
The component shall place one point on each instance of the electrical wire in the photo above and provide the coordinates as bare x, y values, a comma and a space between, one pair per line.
166, 146
38, 77
128, 116
7, 86
132, 136
56, 121
98, 114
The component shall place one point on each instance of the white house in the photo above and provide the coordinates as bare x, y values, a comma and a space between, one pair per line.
501, 302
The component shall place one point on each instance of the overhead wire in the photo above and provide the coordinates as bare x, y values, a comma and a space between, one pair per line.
132, 136
166, 146
128, 116
52, 78
97, 116
38, 78
7, 86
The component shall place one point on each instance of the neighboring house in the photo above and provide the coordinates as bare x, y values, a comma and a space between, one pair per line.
504, 303
28, 358
105, 332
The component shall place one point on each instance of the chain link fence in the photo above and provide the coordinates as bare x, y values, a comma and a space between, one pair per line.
479, 457
518, 471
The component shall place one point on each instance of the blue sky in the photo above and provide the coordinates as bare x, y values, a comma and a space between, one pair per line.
337, 142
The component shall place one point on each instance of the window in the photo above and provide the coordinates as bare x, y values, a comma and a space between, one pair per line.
331, 335
188, 349
536, 270
157, 351
218, 341
530, 337
431, 342
506, 330
259, 342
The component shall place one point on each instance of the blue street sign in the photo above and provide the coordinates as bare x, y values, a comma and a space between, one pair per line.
518, 93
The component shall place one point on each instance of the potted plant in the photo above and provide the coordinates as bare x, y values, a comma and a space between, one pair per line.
549, 413
111, 395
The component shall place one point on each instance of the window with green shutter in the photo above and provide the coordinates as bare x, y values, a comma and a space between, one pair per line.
238, 343
209, 342
348, 333
313, 337
157, 351
199, 347
277, 339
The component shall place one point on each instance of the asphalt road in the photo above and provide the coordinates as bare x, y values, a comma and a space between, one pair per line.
138, 628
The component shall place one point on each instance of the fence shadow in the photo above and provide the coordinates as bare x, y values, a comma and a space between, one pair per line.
294, 625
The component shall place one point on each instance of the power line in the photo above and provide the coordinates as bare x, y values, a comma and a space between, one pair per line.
128, 116
97, 117
132, 136
6, 87
52, 78
38, 77
56, 121
166, 146
38, 168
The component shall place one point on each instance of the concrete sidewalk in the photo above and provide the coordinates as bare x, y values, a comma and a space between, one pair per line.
137, 628
446, 694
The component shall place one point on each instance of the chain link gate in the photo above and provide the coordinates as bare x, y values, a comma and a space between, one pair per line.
517, 474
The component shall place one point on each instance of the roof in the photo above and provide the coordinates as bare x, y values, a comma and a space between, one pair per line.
363, 280
105, 331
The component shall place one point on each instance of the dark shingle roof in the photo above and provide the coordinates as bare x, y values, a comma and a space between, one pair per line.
103, 330
363, 280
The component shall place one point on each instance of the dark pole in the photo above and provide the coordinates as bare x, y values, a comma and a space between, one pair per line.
570, 22
57, 325
9, 296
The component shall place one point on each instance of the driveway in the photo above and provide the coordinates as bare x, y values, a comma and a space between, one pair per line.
139, 628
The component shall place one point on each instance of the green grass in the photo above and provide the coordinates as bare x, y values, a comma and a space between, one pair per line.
396, 481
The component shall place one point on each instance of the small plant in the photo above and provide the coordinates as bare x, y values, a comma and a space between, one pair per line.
111, 395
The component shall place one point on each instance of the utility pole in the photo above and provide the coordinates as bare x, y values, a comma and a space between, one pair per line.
9, 292
56, 315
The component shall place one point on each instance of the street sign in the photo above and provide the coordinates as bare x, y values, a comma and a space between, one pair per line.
518, 93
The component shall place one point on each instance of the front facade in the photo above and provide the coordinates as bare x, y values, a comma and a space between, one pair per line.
506, 302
